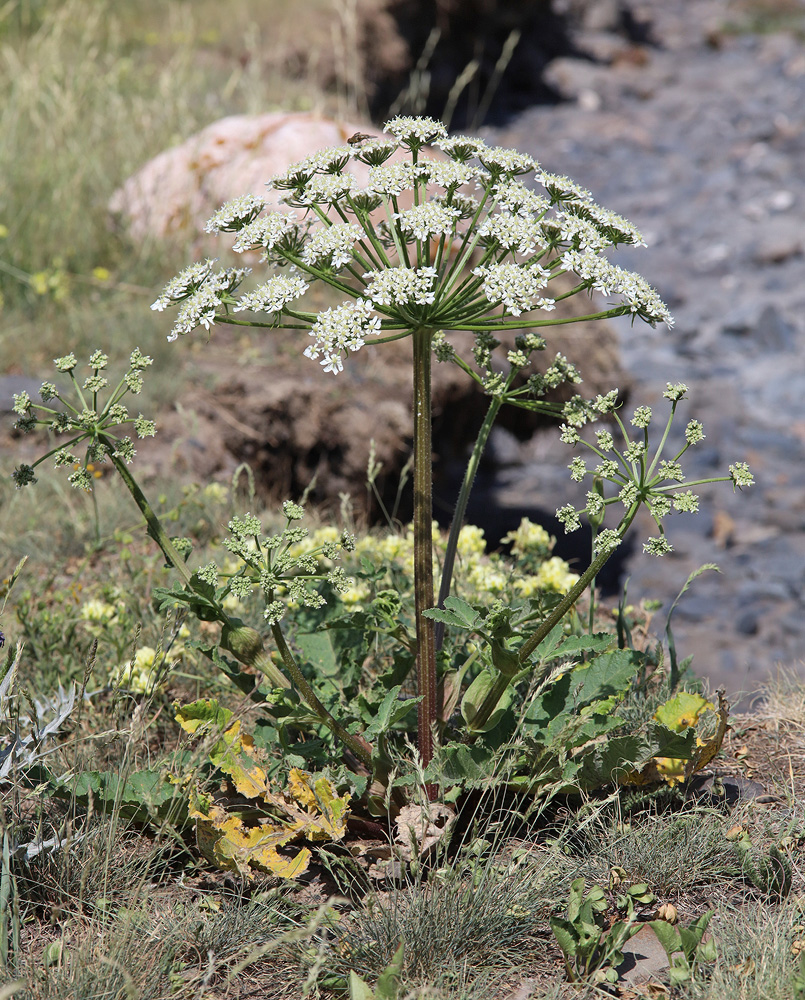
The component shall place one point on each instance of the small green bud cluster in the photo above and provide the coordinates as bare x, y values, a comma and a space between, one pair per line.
85, 417
637, 478
284, 566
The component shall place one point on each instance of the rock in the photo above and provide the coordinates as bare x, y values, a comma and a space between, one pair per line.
176, 192
643, 958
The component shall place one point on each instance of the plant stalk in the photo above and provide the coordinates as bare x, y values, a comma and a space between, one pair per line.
461, 509
358, 745
423, 546
261, 660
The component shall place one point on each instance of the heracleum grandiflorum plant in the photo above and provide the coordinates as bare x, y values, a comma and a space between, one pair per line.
428, 247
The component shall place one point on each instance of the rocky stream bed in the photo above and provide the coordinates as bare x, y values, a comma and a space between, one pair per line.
699, 139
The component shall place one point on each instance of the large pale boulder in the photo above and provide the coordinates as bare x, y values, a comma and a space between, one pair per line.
177, 191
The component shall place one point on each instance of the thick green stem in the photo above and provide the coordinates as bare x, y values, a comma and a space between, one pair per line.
257, 657
461, 508
153, 524
423, 544
358, 745
574, 593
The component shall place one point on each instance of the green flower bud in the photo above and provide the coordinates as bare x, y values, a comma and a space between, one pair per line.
243, 642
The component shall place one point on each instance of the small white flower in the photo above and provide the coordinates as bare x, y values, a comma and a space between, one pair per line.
413, 133
561, 188
427, 221
579, 232
506, 161
266, 231
235, 214
200, 308
461, 147
687, 503
184, 284
323, 189
341, 329
332, 246
515, 286
606, 541
514, 197
274, 295
391, 179
446, 174
511, 232
658, 546
401, 286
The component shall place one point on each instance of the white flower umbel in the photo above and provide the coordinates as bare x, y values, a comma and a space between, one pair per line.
266, 231
235, 214
515, 287
428, 221
511, 232
332, 247
274, 295
201, 308
402, 286
340, 330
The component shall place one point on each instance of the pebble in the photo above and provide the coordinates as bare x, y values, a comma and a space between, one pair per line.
701, 144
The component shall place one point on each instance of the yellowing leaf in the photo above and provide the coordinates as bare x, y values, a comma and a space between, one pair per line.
323, 812
693, 706
682, 711
199, 713
225, 841
228, 754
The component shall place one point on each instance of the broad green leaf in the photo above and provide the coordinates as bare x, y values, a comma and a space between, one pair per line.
623, 759
575, 644
464, 611
144, 796
459, 763
390, 711
547, 648
607, 675
359, 989
566, 935
667, 935
456, 612
474, 698
317, 648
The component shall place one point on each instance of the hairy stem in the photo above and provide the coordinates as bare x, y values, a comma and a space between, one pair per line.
423, 544
357, 744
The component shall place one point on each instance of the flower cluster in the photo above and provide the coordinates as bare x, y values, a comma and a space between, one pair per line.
84, 418
454, 240
638, 479
284, 567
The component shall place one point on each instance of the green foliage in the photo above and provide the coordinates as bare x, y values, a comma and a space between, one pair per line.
350, 621
684, 947
593, 949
